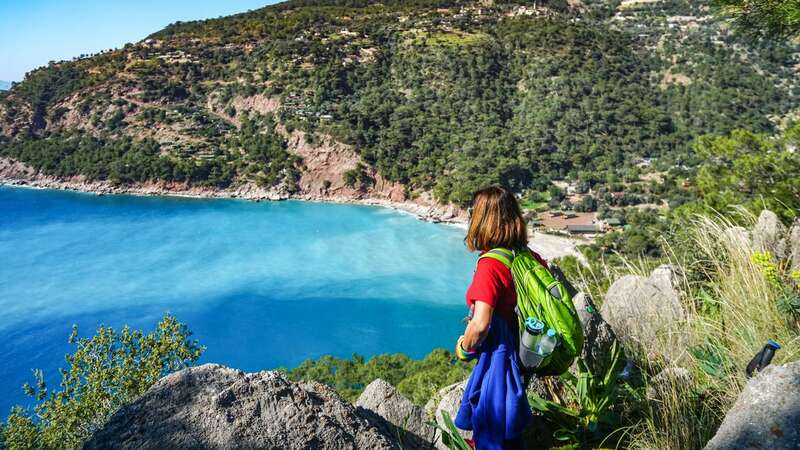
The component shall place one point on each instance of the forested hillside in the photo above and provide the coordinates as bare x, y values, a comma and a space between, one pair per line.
441, 96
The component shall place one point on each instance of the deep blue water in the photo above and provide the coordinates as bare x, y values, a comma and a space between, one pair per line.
261, 285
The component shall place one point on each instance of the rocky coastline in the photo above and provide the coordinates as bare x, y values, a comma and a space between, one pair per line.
383, 194
13, 173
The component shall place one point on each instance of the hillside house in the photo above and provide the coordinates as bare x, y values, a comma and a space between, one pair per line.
613, 222
564, 222
583, 229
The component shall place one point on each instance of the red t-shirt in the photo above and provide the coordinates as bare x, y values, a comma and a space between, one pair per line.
493, 284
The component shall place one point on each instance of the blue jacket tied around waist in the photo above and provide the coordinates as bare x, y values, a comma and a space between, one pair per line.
495, 406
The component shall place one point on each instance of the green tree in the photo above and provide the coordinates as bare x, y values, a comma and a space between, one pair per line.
418, 380
765, 17
104, 373
750, 169
358, 178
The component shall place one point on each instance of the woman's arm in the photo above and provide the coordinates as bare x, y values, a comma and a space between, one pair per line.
478, 327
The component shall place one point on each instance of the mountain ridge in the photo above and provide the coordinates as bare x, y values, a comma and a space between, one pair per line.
439, 97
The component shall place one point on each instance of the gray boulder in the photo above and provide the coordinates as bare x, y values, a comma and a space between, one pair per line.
666, 382
646, 314
396, 415
769, 234
794, 245
597, 333
766, 415
666, 278
737, 237
447, 399
214, 407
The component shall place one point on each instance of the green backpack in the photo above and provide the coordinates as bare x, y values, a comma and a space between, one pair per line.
541, 296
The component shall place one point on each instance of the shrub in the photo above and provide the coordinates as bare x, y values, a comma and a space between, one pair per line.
416, 379
105, 372
578, 421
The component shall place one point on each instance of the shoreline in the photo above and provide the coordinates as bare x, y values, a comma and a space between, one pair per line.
547, 245
442, 214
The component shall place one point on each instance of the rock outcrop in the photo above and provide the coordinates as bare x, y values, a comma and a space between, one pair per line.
597, 333
424, 206
736, 237
794, 245
769, 234
646, 313
666, 278
447, 399
396, 415
666, 382
214, 407
766, 415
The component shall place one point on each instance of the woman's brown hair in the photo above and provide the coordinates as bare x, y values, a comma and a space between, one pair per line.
495, 221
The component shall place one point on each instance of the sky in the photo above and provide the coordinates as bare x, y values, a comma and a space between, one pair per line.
34, 32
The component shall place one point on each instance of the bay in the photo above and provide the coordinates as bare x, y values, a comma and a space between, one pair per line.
261, 285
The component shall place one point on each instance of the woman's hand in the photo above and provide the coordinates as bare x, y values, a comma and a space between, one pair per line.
478, 327
458, 345
462, 354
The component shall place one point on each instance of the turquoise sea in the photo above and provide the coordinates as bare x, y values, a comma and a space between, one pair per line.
262, 285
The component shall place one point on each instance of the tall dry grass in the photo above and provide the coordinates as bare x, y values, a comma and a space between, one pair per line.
737, 309
731, 312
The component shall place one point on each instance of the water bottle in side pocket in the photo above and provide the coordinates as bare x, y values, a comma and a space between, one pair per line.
547, 343
529, 342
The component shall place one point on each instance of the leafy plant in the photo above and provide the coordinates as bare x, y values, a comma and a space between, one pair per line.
764, 261
711, 360
577, 423
358, 177
450, 435
418, 380
785, 282
105, 372
789, 305
760, 18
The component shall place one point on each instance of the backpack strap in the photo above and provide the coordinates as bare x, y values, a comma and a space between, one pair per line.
503, 255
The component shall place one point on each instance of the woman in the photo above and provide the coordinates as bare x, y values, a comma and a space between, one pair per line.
494, 405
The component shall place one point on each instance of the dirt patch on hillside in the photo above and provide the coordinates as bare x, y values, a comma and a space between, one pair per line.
20, 122
325, 162
674, 78
10, 169
257, 103
243, 106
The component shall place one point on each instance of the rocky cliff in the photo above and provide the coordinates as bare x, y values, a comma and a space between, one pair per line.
214, 407
324, 164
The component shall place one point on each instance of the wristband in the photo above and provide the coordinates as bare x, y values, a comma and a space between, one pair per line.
462, 354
